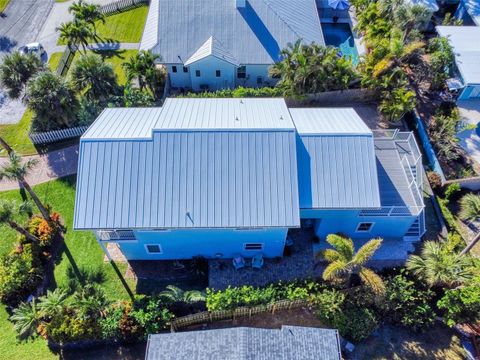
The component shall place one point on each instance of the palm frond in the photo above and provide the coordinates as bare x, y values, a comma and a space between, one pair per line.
366, 251
372, 280
344, 246
329, 255
335, 271
193, 296
470, 207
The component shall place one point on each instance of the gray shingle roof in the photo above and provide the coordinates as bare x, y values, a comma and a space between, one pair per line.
242, 343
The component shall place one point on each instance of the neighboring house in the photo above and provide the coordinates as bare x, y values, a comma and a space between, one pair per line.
469, 12
287, 343
219, 44
466, 46
221, 177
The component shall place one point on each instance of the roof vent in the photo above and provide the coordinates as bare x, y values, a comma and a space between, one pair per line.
241, 4
236, 118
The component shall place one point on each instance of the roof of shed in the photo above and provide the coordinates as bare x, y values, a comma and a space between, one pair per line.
289, 342
252, 35
336, 160
464, 40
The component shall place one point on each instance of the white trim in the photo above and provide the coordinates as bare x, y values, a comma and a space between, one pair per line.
250, 229
153, 253
252, 243
365, 231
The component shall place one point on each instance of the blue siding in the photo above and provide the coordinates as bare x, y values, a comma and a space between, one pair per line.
346, 222
185, 244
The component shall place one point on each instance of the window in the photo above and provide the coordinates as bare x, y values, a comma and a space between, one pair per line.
253, 246
153, 248
185, 69
174, 69
259, 80
242, 72
364, 227
121, 235
197, 73
218, 73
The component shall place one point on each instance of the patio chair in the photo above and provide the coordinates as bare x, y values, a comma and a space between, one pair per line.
257, 261
238, 262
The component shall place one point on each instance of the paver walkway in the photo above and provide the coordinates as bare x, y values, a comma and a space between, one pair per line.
52, 165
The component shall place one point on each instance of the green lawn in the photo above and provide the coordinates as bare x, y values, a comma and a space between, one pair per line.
125, 27
17, 135
84, 253
54, 60
3, 4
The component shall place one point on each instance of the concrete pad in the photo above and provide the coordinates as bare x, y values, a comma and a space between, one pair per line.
469, 111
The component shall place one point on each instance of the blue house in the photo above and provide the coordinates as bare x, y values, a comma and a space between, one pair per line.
216, 44
221, 177
465, 44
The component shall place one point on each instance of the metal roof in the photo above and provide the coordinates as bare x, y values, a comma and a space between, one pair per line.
225, 114
251, 35
336, 160
212, 47
464, 40
473, 9
186, 175
242, 343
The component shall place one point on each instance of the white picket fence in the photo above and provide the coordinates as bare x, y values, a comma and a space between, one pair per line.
56, 135
121, 5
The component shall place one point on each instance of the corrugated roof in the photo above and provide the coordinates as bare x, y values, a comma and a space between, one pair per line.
252, 35
123, 123
241, 343
214, 48
336, 159
324, 121
189, 179
473, 9
465, 43
225, 114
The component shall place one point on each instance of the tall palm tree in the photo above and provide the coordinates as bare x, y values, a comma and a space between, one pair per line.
470, 210
8, 209
346, 263
90, 13
76, 32
5, 145
438, 265
142, 66
175, 294
15, 71
26, 319
93, 76
17, 170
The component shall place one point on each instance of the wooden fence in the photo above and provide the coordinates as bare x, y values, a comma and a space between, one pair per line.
121, 5
56, 135
210, 316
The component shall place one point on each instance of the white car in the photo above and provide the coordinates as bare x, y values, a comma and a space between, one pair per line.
33, 48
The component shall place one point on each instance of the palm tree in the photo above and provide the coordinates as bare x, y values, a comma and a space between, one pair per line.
5, 145
17, 170
90, 302
26, 319
15, 71
8, 209
90, 13
438, 265
346, 263
53, 302
76, 32
470, 210
92, 75
175, 294
142, 67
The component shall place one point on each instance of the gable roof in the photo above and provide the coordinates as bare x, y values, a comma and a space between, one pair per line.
336, 160
197, 169
212, 47
473, 9
465, 44
289, 342
177, 29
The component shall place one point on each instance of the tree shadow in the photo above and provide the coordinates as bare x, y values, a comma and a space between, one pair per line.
122, 280
6, 43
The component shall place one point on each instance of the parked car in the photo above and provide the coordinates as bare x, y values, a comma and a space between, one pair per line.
33, 48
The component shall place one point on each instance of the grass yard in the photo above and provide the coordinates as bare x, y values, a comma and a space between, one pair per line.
81, 250
54, 60
125, 27
3, 4
17, 135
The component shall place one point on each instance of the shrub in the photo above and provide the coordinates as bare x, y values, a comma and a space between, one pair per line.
109, 324
66, 327
238, 92
151, 314
462, 304
447, 215
435, 181
452, 191
406, 303
42, 229
19, 276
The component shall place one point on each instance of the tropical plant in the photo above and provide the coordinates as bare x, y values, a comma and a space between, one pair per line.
396, 103
175, 294
441, 59
5, 145
439, 266
470, 207
17, 170
142, 67
312, 68
90, 302
8, 211
450, 20
15, 71
90, 13
95, 78
27, 318
345, 263
53, 302
133, 98
76, 32
443, 133
411, 17
462, 305
53, 101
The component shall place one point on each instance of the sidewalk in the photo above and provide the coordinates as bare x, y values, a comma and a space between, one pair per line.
52, 165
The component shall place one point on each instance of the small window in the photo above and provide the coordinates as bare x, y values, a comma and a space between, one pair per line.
259, 80
218, 73
185, 69
174, 69
153, 248
197, 73
253, 246
242, 72
364, 227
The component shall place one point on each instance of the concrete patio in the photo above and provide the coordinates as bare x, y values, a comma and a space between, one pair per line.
469, 139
